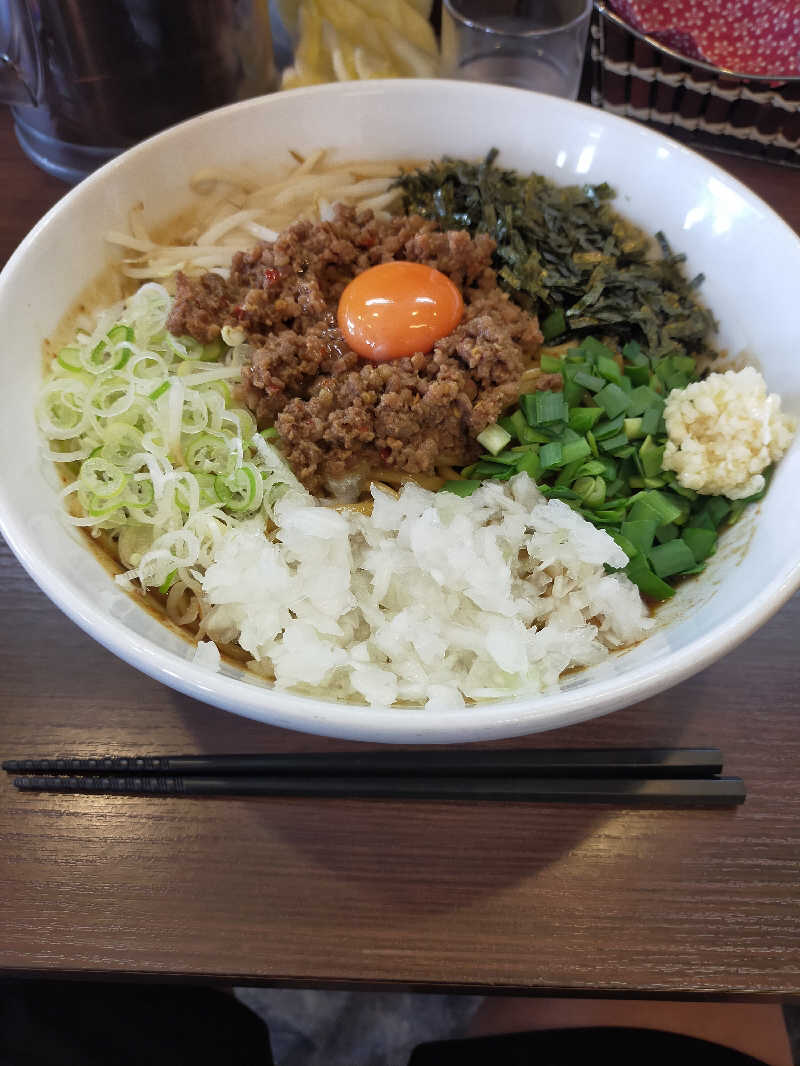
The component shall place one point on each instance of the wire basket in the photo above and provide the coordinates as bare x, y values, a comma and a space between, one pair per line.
637, 76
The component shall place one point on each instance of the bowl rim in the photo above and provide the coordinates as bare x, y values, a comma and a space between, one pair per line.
483, 721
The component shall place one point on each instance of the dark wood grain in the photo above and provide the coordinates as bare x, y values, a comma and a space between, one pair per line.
426, 895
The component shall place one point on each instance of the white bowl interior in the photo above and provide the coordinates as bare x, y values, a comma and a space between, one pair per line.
751, 260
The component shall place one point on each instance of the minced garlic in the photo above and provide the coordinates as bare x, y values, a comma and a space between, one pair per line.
724, 432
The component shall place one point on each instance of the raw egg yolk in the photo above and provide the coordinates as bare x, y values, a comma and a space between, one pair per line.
397, 309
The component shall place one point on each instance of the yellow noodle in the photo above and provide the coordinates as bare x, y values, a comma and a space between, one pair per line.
397, 477
529, 378
234, 207
556, 350
362, 507
383, 487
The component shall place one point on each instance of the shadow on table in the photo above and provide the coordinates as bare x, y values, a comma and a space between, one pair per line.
428, 856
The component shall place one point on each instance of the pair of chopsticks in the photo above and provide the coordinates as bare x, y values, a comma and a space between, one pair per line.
627, 776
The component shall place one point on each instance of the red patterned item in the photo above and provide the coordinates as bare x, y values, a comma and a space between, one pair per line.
750, 37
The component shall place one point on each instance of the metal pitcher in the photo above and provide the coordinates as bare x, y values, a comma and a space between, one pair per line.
86, 79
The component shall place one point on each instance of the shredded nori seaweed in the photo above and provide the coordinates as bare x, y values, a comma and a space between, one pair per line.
567, 248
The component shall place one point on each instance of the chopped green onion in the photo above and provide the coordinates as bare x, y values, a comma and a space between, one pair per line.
612, 399
649, 584
675, 371
574, 450
675, 485
506, 422
592, 490
554, 324
640, 532
613, 444
641, 398
637, 375
494, 438
524, 433
588, 381
633, 428
653, 421
702, 520
489, 468
701, 542
530, 464
558, 492
667, 532
70, 359
717, 508
582, 419
573, 394
168, 582
610, 515
550, 455
237, 491
140, 493
632, 353
655, 504
608, 368
100, 508
214, 350
549, 408
208, 496
122, 444
650, 456
551, 364
561, 432
594, 350
207, 454
606, 468
503, 458
671, 558
102, 357
616, 485
101, 478
162, 388
246, 423
568, 472
609, 428
466, 487
515, 424
122, 336
736, 512
630, 549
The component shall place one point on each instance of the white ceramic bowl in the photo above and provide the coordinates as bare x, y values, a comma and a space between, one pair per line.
751, 260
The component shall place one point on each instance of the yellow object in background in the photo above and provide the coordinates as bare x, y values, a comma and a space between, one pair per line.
348, 40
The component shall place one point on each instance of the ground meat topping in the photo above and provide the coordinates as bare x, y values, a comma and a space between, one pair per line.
335, 412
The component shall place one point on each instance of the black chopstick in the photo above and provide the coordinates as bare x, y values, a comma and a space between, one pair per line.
658, 792
474, 762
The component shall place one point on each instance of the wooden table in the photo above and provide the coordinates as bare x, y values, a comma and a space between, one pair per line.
366, 893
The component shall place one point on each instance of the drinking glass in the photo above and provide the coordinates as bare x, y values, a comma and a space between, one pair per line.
530, 44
